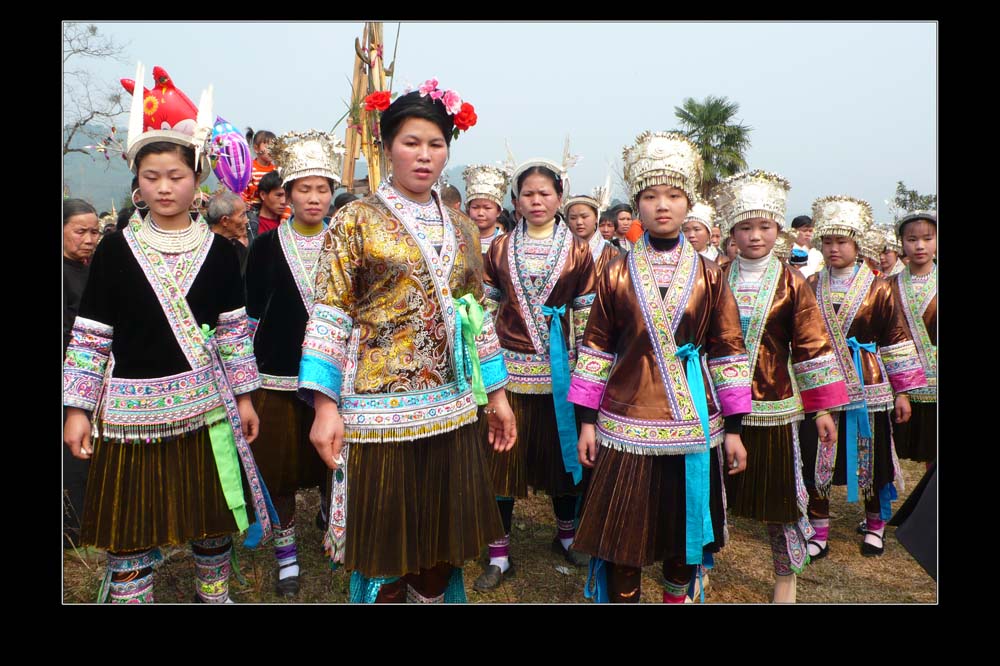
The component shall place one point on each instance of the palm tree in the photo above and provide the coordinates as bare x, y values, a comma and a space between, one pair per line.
722, 142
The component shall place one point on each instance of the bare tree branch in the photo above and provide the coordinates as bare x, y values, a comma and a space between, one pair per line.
90, 106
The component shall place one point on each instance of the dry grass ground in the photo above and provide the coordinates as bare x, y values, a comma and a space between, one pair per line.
742, 574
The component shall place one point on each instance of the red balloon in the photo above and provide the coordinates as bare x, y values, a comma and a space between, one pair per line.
165, 106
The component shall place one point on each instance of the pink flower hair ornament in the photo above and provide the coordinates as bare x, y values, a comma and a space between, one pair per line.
464, 113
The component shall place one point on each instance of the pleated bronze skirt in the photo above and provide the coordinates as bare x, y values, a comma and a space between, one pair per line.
634, 511
285, 457
536, 459
766, 490
147, 494
917, 438
411, 505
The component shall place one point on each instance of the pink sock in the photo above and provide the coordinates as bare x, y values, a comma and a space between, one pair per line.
874, 522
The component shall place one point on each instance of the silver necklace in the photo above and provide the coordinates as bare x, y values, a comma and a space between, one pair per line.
170, 241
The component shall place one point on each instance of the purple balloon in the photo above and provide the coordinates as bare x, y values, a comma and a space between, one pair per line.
234, 164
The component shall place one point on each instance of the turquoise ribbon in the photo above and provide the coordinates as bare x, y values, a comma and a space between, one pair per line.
469, 324
596, 587
698, 531
560, 372
857, 420
365, 590
885, 497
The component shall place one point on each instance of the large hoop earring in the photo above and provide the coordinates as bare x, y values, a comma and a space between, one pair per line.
135, 203
196, 202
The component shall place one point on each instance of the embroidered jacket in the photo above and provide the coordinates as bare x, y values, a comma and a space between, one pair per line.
567, 280
146, 317
919, 305
280, 278
870, 314
381, 338
783, 324
630, 348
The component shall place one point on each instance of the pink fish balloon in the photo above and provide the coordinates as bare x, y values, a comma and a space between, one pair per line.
232, 163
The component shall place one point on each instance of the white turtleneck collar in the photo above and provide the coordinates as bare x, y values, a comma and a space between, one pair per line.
751, 270
843, 273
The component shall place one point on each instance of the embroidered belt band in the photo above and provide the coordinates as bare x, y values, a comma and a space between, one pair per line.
145, 409
531, 373
774, 412
399, 417
657, 438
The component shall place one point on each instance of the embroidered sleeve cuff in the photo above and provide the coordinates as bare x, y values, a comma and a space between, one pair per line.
324, 352
494, 372
731, 377
487, 343
902, 364
821, 383
590, 377
86, 360
232, 335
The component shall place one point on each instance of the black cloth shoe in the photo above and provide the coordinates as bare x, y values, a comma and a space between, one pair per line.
869, 550
823, 551
574, 557
492, 576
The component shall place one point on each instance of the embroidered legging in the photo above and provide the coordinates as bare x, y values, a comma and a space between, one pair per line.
625, 582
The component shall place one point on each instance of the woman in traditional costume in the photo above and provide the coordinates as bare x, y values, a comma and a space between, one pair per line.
540, 277
582, 213
793, 366
891, 250
879, 363
280, 280
664, 375
172, 408
396, 356
698, 229
485, 186
915, 289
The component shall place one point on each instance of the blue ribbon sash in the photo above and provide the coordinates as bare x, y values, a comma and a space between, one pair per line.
565, 416
857, 420
698, 531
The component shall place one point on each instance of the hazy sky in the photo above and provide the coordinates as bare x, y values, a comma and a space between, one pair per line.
837, 108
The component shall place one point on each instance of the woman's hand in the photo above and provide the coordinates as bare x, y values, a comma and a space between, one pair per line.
248, 417
586, 447
76, 433
903, 409
736, 455
327, 432
827, 429
503, 429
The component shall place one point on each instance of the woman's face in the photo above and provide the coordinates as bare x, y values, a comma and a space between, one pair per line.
80, 236
755, 237
697, 234
311, 198
662, 209
485, 214
418, 154
582, 220
538, 199
623, 223
607, 228
839, 251
167, 184
887, 260
920, 242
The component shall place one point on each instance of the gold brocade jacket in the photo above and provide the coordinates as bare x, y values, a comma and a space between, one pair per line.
383, 339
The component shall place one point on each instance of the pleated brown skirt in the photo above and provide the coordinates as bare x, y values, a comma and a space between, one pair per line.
536, 459
766, 490
634, 511
141, 495
285, 457
411, 505
917, 438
